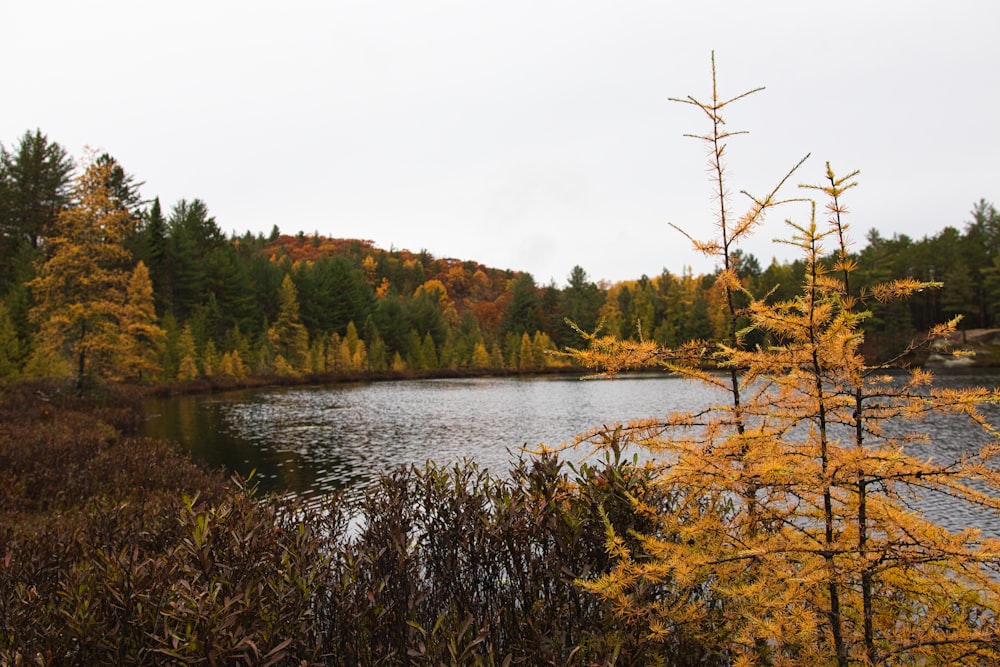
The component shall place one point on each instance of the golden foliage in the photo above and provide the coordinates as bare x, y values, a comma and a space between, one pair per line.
792, 539
83, 308
288, 336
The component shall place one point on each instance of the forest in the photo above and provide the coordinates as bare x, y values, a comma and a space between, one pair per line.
97, 282
779, 526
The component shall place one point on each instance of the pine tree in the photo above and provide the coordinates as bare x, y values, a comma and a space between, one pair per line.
579, 303
156, 239
38, 176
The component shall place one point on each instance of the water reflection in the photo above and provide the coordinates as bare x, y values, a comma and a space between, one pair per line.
311, 440
316, 439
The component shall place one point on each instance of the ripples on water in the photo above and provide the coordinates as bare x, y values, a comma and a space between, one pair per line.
316, 439
345, 435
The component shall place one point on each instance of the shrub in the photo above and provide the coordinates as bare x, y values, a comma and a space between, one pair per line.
117, 550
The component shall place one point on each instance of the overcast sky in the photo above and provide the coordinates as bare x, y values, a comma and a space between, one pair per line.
530, 135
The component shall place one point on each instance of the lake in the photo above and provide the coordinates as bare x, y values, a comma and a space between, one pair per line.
311, 440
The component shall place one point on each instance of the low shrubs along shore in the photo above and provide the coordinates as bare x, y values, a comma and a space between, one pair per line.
117, 549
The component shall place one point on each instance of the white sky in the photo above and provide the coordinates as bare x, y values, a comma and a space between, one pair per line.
531, 135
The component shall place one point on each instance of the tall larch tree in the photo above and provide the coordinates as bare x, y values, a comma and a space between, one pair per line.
288, 336
143, 338
790, 537
80, 287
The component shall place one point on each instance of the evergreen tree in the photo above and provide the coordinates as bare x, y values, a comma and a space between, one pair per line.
190, 238
958, 296
184, 274
522, 313
265, 279
579, 303
36, 182
391, 322
156, 251
122, 186
423, 313
228, 291
333, 292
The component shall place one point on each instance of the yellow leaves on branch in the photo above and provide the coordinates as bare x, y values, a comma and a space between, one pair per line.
611, 355
901, 289
790, 537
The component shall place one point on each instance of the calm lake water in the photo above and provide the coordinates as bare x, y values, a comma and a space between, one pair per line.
310, 440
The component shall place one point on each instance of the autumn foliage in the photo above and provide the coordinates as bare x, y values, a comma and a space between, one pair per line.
791, 537
777, 526
93, 311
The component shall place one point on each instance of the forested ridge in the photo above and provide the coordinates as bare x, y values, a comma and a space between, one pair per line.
95, 281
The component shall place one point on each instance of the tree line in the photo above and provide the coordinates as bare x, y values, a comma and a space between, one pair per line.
97, 281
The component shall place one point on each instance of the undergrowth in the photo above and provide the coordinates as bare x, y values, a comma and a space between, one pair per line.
118, 550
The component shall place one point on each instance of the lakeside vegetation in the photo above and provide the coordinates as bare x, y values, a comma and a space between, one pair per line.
773, 529
117, 550
97, 282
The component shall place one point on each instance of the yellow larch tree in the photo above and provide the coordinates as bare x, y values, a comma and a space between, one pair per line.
480, 356
80, 288
288, 336
143, 338
188, 353
790, 536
